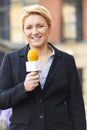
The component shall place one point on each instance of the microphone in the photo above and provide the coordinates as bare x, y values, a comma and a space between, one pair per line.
33, 64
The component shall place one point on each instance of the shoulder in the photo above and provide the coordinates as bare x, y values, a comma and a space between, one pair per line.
61, 53
13, 56
16, 53
67, 59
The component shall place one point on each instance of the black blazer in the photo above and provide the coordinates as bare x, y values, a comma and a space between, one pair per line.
59, 106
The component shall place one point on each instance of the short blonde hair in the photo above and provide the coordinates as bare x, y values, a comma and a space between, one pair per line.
36, 9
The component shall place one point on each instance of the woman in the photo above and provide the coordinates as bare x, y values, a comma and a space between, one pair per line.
50, 99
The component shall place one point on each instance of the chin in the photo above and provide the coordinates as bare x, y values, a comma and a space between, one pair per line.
37, 45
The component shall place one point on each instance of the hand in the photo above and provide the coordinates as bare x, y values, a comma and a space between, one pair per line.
31, 81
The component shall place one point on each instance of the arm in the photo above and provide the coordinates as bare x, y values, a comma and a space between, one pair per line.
10, 94
75, 101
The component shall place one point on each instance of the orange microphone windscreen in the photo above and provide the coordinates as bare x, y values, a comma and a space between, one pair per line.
32, 55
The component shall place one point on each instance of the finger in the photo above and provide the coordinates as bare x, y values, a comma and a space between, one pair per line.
33, 73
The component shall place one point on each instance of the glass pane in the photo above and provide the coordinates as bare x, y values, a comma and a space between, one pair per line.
69, 21
27, 2
33, 1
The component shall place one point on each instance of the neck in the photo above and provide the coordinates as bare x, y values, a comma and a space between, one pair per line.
43, 51
44, 54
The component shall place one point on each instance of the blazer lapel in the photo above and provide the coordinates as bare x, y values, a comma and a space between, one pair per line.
56, 64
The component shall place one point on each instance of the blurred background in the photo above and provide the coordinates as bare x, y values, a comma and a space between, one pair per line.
69, 30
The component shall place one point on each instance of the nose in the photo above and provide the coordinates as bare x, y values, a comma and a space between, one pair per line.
34, 30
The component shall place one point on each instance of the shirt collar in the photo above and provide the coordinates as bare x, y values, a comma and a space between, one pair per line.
51, 48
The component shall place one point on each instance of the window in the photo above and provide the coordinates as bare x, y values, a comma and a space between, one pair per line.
25, 1
4, 19
72, 20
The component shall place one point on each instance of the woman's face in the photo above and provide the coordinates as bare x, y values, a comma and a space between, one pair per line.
36, 30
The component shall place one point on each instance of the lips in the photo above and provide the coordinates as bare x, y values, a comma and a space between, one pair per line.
36, 38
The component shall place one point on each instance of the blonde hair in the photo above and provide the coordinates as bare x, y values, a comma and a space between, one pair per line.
36, 9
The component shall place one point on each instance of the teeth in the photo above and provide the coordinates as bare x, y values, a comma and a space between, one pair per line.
36, 38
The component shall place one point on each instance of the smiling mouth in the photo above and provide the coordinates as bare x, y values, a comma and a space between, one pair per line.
36, 38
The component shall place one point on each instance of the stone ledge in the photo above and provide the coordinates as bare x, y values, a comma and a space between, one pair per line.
6, 45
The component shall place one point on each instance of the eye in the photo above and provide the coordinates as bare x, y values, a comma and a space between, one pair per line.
40, 26
29, 27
